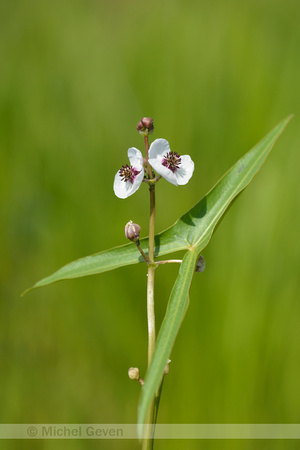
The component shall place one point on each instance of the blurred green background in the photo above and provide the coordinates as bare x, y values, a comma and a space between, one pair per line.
75, 78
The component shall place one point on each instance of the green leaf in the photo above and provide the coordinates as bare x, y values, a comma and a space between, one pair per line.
197, 227
193, 230
176, 309
112, 259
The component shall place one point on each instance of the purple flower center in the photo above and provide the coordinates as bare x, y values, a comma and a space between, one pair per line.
172, 161
128, 173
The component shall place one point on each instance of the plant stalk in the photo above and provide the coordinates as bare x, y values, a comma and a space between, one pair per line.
148, 440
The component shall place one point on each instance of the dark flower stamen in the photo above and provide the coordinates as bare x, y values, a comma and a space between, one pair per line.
128, 173
172, 161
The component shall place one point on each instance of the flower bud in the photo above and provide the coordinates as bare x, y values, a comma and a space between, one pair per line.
132, 231
200, 266
134, 373
145, 126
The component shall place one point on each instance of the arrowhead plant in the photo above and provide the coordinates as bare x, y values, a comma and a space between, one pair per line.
191, 232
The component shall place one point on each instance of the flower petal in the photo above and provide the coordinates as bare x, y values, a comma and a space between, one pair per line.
135, 158
164, 171
124, 189
185, 171
158, 149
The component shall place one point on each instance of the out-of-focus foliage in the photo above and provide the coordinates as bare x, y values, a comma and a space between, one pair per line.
76, 76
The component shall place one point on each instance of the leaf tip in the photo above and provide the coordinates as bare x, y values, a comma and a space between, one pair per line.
288, 118
26, 291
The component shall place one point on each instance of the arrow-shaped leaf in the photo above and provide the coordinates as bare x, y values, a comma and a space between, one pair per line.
197, 227
114, 258
193, 230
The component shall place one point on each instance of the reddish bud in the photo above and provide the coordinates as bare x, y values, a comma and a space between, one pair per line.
145, 126
132, 231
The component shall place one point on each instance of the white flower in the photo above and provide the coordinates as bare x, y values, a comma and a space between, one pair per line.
173, 167
129, 178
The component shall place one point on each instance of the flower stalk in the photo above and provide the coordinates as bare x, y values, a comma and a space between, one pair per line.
149, 431
177, 169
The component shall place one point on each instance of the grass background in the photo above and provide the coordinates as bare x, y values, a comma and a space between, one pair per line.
76, 77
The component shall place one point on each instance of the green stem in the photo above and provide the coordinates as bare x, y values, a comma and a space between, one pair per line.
148, 440
142, 252
168, 261
150, 313
148, 165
